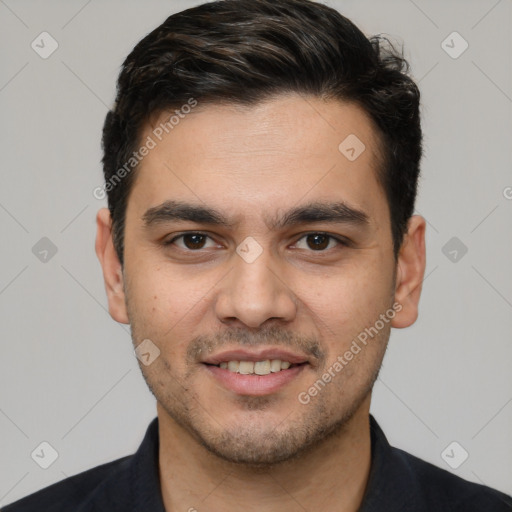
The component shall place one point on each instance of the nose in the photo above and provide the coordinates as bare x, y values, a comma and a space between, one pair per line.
253, 293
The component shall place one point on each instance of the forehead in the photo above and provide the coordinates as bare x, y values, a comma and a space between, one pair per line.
262, 158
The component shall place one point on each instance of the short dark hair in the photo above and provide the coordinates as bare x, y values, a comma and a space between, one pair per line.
245, 51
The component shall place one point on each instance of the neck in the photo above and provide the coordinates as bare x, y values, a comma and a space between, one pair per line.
330, 477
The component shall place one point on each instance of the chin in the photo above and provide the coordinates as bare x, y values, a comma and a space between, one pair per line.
263, 444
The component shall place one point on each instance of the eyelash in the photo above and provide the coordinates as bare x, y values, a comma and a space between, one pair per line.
340, 241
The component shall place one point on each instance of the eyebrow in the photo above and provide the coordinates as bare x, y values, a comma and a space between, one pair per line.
331, 212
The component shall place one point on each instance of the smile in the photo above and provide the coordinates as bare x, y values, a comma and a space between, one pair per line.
255, 378
255, 368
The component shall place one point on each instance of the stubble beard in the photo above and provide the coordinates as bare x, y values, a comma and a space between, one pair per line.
251, 445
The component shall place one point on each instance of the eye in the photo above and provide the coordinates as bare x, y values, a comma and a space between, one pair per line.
319, 242
191, 241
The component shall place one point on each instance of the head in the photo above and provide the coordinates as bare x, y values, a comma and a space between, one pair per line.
292, 152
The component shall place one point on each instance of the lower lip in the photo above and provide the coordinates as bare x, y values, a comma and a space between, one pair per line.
255, 385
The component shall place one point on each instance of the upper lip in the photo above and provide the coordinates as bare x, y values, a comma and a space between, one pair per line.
256, 355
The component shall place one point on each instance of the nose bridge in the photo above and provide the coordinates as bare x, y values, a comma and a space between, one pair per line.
254, 291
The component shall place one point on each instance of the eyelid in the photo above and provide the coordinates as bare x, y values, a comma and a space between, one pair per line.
185, 233
340, 240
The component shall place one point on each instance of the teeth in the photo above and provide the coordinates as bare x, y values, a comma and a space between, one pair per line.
262, 367
275, 365
259, 368
246, 367
233, 366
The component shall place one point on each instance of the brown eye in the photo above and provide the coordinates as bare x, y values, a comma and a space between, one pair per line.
318, 241
191, 241
194, 241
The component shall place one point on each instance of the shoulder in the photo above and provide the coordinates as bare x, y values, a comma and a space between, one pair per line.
443, 490
74, 492
128, 483
402, 482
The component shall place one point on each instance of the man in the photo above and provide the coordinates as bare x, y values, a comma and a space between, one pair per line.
261, 165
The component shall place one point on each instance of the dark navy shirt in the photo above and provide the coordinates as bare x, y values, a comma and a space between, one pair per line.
398, 482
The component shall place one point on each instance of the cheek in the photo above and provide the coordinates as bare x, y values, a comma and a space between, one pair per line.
347, 300
150, 301
165, 304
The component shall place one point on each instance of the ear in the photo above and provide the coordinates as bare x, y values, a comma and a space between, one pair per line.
410, 271
112, 269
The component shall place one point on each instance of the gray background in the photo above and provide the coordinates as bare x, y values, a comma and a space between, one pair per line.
68, 375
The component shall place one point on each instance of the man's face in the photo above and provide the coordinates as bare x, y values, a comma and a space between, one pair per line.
288, 292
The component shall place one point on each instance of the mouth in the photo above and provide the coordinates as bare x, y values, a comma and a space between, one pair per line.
256, 373
265, 367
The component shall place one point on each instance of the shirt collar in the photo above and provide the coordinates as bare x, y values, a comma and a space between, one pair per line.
391, 484
146, 490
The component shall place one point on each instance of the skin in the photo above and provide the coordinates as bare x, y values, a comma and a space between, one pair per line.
252, 164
